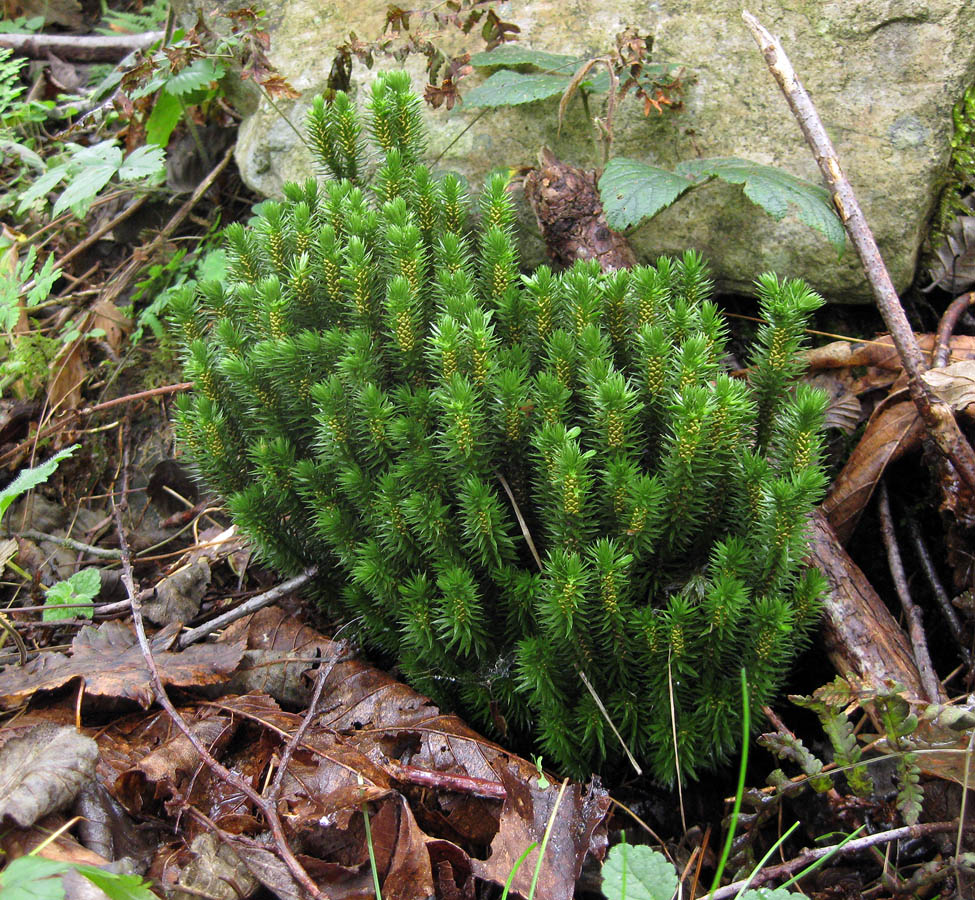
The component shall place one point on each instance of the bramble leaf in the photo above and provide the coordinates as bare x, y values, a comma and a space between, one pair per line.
775, 191
508, 88
198, 74
142, 162
632, 191
96, 166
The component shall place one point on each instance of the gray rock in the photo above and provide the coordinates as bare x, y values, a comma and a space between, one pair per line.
883, 73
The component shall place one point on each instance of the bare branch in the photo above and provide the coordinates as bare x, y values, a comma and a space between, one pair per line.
937, 415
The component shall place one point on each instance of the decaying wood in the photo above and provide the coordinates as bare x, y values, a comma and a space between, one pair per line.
570, 216
861, 637
80, 48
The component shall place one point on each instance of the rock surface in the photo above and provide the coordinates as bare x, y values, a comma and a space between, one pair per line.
883, 73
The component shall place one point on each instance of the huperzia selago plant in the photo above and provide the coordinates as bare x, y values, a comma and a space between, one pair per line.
510, 482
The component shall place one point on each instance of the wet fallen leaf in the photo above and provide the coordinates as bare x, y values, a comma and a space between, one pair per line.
107, 829
373, 727
43, 771
894, 429
160, 773
179, 595
110, 661
955, 384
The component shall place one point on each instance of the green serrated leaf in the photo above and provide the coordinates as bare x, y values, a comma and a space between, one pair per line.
142, 162
82, 587
635, 872
43, 282
33, 878
164, 117
117, 886
47, 182
96, 170
507, 88
632, 191
775, 191
30, 478
213, 266
198, 74
515, 55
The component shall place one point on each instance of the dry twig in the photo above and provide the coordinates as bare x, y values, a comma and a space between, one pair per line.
942, 347
915, 624
937, 415
848, 849
267, 809
941, 595
247, 607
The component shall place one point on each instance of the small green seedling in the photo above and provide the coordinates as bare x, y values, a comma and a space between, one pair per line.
63, 598
543, 782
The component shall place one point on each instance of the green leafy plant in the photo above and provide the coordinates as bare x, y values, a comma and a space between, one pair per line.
73, 596
13, 112
179, 273
833, 704
510, 482
632, 191
13, 283
85, 171
26, 357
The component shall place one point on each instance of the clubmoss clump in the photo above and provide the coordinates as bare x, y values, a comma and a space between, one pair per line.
510, 481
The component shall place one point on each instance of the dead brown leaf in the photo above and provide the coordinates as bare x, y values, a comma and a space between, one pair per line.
955, 384
524, 816
110, 661
43, 771
894, 429
116, 325
68, 374
159, 775
372, 727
